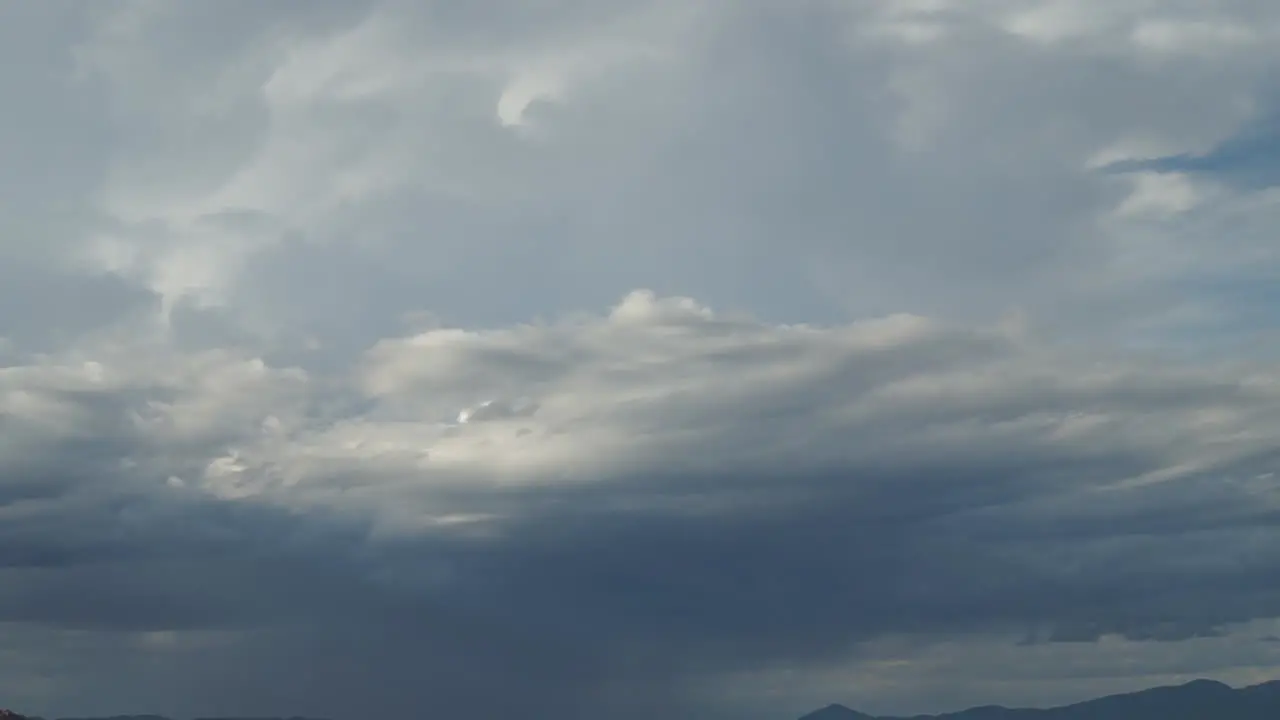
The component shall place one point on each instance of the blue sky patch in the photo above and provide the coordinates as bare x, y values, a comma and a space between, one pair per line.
1248, 160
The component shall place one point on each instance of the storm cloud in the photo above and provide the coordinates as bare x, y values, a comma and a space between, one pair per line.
621, 359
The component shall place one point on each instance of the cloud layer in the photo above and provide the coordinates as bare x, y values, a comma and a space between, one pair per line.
618, 359
660, 494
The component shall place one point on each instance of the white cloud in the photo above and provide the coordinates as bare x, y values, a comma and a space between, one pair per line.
1192, 36
1159, 194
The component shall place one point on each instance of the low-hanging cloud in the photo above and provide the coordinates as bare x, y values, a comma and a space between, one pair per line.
665, 493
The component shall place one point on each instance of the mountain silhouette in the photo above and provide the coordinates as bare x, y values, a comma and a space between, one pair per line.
1196, 700
837, 712
10, 715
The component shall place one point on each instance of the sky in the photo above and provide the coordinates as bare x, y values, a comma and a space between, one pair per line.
624, 359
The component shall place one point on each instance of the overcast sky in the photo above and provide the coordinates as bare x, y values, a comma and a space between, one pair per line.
622, 359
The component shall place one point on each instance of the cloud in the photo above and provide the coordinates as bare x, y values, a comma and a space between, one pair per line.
663, 495
327, 385
677, 126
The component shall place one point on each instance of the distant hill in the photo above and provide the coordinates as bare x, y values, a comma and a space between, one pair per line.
10, 715
1196, 700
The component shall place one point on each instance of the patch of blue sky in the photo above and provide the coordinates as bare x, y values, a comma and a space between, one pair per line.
1249, 160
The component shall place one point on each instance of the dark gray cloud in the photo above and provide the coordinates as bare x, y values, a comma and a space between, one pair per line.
608, 549
300, 412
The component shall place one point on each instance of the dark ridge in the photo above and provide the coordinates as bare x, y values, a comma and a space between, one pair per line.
122, 717
836, 712
1195, 700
